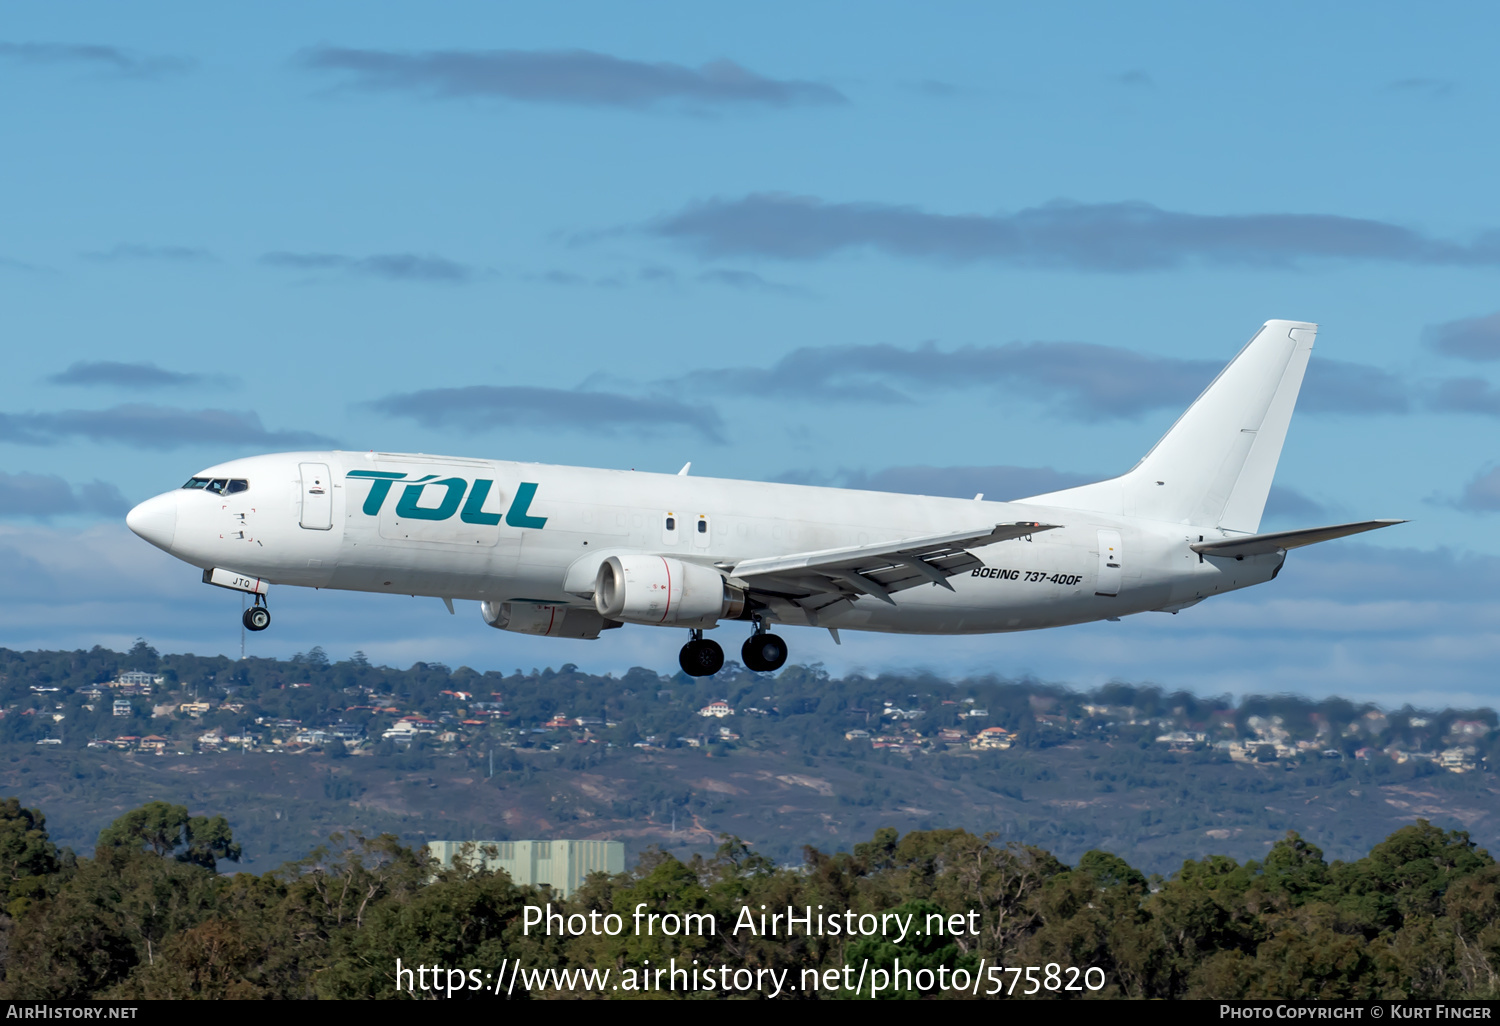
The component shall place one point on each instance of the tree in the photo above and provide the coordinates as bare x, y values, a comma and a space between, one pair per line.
165, 828
27, 854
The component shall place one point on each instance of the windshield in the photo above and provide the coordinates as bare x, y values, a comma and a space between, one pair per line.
221, 485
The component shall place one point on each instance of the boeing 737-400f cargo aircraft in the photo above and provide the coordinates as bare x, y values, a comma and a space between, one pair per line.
570, 552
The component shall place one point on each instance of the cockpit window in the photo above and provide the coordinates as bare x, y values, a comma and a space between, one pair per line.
220, 485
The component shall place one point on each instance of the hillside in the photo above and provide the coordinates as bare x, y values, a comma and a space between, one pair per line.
803, 759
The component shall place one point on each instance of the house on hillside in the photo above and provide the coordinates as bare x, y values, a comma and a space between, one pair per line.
717, 708
992, 737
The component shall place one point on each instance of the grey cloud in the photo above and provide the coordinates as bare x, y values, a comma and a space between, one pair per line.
749, 281
145, 426
1465, 395
105, 58
1290, 504
1470, 338
1080, 380
578, 77
1087, 381
139, 376
1336, 386
132, 251
1482, 494
997, 483
20, 265
46, 495
391, 266
480, 407
1111, 237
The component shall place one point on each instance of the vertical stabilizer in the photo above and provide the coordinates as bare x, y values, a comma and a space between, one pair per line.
1214, 467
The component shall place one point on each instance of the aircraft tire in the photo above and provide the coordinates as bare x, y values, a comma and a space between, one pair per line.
701, 658
764, 653
256, 618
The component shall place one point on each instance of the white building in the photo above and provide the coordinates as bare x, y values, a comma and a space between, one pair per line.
562, 865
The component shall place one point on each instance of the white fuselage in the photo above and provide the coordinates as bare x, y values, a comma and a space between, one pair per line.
426, 525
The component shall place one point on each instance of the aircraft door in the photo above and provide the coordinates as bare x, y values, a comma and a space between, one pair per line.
1111, 559
317, 497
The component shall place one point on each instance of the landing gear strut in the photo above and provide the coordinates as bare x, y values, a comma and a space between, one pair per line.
257, 617
762, 651
701, 657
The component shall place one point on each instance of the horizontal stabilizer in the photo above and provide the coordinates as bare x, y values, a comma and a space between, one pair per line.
1262, 544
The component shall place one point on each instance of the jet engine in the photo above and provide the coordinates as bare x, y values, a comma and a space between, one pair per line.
545, 619
658, 589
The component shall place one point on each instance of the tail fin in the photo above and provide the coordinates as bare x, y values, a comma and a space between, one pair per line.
1214, 467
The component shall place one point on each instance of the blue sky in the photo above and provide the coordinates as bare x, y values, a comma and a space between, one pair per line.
937, 248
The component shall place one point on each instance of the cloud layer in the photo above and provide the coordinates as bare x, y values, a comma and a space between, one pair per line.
481, 407
144, 426
1472, 338
1079, 380
112, 59
1482, 494
137, 376
578, 77
1113, 237
46, 495
1465, 395
127, 251
390, 266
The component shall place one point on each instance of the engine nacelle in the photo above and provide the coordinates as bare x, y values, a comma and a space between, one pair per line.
659, 589
545, 619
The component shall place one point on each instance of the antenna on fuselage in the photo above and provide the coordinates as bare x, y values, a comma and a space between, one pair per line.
685, 468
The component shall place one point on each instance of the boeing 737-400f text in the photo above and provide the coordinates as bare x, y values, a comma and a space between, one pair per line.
571, 552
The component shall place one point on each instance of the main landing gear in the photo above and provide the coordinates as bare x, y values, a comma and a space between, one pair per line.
701, 657
762, 652
257, 617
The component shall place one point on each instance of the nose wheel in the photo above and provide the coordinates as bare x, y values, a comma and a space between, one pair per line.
763, 652
257, 617
701, 657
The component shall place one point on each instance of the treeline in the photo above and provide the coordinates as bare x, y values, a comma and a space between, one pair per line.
149, 917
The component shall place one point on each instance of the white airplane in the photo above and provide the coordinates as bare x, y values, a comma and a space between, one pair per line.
571, 552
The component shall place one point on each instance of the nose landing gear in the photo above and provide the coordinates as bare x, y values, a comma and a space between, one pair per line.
762, 651
701, 657
257, 617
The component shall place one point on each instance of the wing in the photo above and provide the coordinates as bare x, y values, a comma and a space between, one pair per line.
817, 580
1262, 544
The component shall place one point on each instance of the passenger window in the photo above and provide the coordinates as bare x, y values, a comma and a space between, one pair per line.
703, 527
671, 523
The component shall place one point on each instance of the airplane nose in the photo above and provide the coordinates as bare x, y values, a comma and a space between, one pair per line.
155, 520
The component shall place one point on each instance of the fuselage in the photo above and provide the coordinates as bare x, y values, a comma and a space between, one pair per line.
499, 531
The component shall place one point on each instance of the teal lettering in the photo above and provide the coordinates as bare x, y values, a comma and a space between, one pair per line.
407, 506
379, 489
518, 515
472, 513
